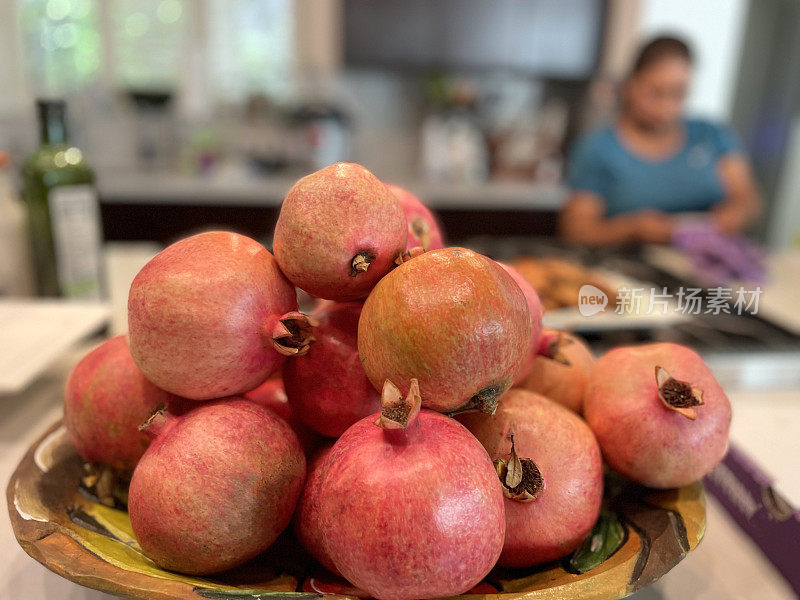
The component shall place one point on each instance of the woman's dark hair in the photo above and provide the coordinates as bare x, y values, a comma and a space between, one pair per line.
660, 48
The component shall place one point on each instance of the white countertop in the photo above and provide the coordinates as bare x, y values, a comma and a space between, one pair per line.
239, 189
725, 565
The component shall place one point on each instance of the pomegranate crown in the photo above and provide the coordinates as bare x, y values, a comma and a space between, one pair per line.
360, 262
398, 412
406, 256
552, 344
677, 395
293, 334
520, 477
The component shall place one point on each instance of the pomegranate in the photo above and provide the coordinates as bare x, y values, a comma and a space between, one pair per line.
454, 320
327, 387
339, 231
271, 395
307, 525
213, 316
550, 466
560, 369
661, 418
423, 228
106, 399
216, 486
535, 308
411, 508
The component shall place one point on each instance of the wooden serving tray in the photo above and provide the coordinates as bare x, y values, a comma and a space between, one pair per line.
62, 527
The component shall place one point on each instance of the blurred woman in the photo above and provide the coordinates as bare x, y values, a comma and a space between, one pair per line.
630, 179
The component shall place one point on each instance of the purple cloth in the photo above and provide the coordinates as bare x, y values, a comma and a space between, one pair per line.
748, 495
718, 257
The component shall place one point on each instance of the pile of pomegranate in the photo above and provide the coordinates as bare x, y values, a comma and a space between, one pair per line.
418, 427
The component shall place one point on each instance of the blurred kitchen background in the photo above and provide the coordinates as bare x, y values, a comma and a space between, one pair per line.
198, 114
204, 111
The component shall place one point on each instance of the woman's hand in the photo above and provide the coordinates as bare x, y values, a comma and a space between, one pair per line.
652, 226
729, 218
582, 222
742, 204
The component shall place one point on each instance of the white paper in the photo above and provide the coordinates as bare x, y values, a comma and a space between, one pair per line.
33, 333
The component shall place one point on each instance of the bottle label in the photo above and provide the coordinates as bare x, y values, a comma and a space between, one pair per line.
75, 219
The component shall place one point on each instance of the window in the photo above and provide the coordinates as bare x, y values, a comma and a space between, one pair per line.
147, 40
61, 42
249, 44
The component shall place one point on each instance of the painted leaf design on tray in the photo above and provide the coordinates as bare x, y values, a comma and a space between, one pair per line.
116, 521
606, 537
107, 533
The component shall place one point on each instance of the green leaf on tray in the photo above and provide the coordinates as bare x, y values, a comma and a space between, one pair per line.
606, 537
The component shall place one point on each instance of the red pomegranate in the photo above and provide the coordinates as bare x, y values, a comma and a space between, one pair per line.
339, 231
423, 228
551, 470
106, 399
560, 369
661, 418
307, 525
327, 387
535, 308
454, 320
216, 486
411, 508
213, 316
272, 395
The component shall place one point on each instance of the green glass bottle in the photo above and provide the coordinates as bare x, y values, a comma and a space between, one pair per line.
63, 211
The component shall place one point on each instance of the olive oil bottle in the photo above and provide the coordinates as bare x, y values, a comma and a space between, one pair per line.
63, 211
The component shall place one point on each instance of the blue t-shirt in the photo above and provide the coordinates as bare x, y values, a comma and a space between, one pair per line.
684, 182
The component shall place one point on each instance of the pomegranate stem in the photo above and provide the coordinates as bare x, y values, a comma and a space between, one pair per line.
157, 422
